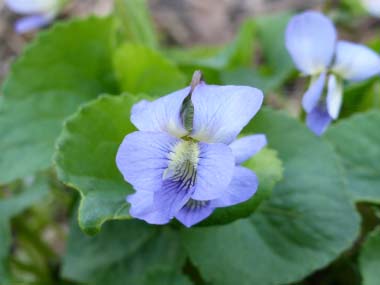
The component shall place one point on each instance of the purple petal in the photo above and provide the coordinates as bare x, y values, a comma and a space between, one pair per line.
246, 147
356, 62
143, 157
310, 39
30, 23
334, 96
31, 6
214, 171
242, 187
194, 212
142, 208
161, 115
221, 112
171, 197
318, 119
312, 95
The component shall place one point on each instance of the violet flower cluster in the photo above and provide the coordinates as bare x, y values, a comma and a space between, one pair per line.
184, 160
38, 13
311, 40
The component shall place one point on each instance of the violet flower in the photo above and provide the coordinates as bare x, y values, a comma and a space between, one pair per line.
184, 160
39, 13
311, 40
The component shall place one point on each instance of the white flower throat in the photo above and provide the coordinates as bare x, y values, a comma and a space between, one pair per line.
183, 164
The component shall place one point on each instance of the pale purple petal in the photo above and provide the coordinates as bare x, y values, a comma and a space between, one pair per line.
313, 94
310, 39
161, 115
194, 212
31, 6
334, 96
246, 147
242, 187
171, 197
355, 62
143, 157
142, 208
221, 112
214, 171
318, 119
31, 23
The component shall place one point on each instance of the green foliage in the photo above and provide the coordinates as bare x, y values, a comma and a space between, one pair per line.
356, 141
212, 60
33, 191
369, 259
85, 159
62, 68
237, 53
135, 22
306, 224
128, 252
143, 70
277, 65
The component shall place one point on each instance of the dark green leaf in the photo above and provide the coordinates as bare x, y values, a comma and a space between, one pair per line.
357, 140
33, 192
125, 252
369, 259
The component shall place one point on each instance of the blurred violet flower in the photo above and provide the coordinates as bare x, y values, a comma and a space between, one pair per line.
311, 40
372, 6
184, 160
39, 13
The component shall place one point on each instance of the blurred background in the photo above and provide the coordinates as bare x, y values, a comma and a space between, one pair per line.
180, 22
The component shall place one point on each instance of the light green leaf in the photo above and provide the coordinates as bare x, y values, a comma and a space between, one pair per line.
85, 159
34, 191
306, 224
125, 252
369, 259
65, 66
356, 141
144, 70
135, 22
